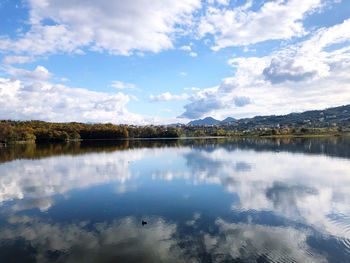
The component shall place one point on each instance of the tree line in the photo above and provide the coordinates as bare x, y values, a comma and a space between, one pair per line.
55, 132
47, 131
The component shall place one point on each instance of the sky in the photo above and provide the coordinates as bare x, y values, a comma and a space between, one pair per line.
164, 61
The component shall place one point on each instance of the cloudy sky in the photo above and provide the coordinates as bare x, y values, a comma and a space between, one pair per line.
162, 61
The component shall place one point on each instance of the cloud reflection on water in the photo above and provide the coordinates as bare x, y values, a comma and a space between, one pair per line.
311, 190
125, 240
296, 186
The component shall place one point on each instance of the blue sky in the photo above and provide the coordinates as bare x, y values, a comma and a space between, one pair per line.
164, 61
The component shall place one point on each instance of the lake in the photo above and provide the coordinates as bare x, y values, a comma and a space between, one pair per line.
204, 200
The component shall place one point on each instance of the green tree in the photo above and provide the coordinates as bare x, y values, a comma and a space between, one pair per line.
199, 133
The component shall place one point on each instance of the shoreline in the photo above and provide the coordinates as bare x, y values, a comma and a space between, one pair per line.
255, 136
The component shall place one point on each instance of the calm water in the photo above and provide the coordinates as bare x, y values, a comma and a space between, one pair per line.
207, 200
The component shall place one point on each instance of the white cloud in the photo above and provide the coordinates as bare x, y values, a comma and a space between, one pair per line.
189, 48
116, 26
223, 2
186, 48
241, 101
16, 59
183, 73
193, 89
46, 39
28, 95
42, 100
312, 74
38, 73
167, 96
55, 102
122, 85
241, 26
285, 70
203, 103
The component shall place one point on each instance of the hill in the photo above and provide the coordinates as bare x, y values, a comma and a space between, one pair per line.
228, 119
211, 121
205, 121
336, 116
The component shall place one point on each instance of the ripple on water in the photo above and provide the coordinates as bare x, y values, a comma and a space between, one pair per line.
342, 222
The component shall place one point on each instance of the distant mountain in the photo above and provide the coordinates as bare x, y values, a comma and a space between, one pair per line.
211, 121
228, 119
205, 121
176, 124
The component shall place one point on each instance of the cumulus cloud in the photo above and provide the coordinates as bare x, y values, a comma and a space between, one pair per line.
36, 98
242, 26
201, 104
186, 48
122, 85
167, 96
55, 102
210, 102
189, 48
227, 85
223, 2
39, 73
16, 59
116, 26
242, 101
280, 71
42, 39
312, 73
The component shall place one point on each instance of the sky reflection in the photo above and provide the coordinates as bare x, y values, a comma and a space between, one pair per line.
226, 201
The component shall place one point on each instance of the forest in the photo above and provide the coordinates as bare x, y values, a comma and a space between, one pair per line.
47, 131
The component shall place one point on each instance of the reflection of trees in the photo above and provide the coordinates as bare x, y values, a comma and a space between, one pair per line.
332, 146
36, 151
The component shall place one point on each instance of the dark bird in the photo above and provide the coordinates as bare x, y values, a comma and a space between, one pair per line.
144, 223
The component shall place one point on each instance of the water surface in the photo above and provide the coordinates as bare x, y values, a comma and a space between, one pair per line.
205, 200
